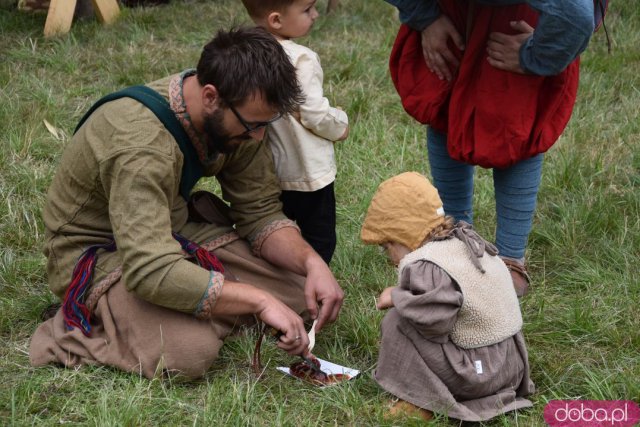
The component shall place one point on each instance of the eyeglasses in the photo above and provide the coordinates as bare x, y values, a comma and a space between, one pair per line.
257, 125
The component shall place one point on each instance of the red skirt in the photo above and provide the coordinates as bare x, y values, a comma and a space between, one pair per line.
492, 118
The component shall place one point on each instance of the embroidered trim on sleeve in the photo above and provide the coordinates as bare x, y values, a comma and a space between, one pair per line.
223, 240
256, 243
203, 310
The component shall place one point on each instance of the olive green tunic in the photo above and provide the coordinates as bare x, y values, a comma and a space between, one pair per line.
120, 176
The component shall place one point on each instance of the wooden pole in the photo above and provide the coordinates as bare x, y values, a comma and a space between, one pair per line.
106, 10
59, 17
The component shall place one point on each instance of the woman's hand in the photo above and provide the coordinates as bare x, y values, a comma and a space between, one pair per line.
504, 49
439, 58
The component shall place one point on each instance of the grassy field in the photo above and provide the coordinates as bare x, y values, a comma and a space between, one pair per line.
582, 321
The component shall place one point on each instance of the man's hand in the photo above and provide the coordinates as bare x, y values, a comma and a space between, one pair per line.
287, 249
276, 314
437, 54
504, 49
322, 293
238, 298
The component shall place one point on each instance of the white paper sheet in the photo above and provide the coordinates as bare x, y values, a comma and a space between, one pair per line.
328, 368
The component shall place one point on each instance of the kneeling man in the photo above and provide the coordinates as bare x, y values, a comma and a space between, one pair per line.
152, 276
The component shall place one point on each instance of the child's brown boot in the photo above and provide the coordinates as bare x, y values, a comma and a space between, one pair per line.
403, 408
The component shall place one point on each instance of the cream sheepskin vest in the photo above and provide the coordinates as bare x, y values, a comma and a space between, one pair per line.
490, 311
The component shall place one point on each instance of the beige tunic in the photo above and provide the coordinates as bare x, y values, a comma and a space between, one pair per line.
119, 176
303, 150
419, 363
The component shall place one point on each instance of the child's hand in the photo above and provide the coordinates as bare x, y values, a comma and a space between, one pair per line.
344, 135
346, 131
384, 300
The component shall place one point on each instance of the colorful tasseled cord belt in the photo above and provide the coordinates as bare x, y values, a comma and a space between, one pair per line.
77, 314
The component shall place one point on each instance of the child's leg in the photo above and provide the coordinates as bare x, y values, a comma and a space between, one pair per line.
453, 179
516, 190
315, 214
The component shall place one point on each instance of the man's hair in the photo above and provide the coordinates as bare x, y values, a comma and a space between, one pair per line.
243, 62
259, 9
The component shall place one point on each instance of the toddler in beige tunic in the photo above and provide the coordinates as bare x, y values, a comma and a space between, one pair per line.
452, 343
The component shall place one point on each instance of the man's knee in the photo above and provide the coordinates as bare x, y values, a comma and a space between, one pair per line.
192, 361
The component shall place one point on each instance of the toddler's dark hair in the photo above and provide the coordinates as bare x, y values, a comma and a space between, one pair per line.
261, 8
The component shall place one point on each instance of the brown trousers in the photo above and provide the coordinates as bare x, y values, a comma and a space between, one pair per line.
136, 336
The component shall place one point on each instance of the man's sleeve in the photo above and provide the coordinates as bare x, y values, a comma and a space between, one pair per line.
250, 186
563, 32
140, 185
417, 14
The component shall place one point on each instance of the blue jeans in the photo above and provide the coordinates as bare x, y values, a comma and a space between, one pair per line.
516, 189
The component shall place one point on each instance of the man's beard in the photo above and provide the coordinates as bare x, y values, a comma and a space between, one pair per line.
218, 139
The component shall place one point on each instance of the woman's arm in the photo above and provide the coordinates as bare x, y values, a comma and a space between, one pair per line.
563, 32
416, 14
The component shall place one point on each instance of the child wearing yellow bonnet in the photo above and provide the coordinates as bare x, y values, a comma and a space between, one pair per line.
451, 341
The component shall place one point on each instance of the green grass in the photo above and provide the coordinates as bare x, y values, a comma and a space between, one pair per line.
581, 318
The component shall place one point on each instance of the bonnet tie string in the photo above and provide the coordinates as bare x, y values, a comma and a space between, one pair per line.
475, 244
